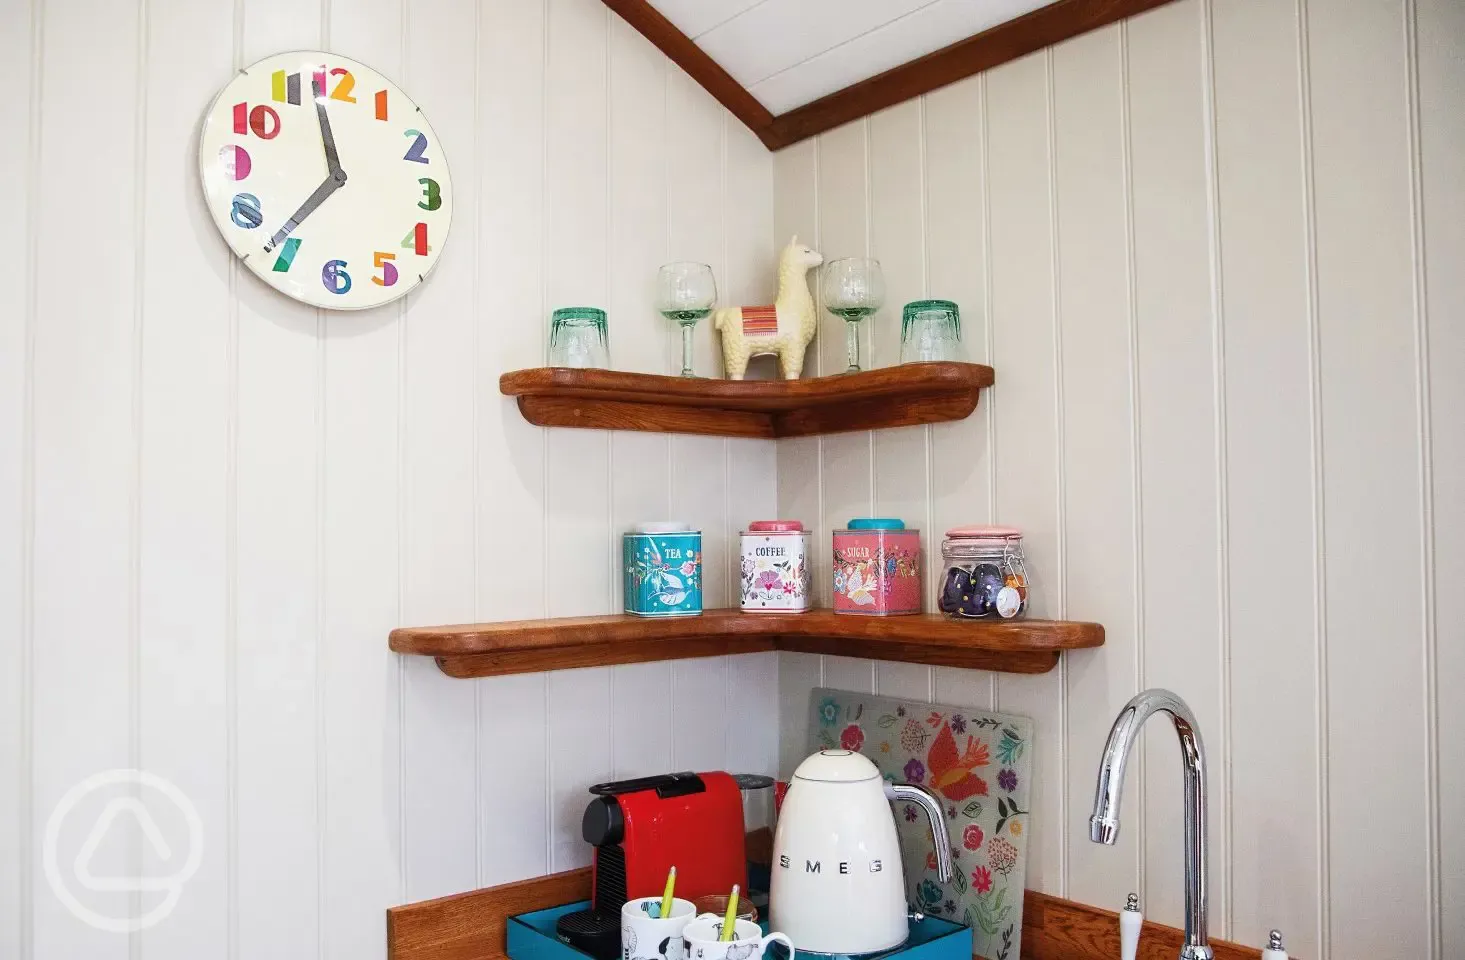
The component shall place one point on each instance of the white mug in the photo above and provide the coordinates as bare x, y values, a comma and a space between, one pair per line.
702, 941
644, 937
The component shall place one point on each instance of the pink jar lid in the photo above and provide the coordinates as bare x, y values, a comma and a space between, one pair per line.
984, 533
775, 526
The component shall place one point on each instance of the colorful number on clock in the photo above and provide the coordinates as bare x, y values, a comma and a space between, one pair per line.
416, 240
246, 213
344, 88
334, 276
285, 88
389, 271
418, 148
235, 161
287, 255
432, 197
381, 104
263, 121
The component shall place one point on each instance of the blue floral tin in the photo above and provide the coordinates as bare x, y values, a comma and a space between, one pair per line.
663, 570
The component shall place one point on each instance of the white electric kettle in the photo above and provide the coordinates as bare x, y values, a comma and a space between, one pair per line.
837, 884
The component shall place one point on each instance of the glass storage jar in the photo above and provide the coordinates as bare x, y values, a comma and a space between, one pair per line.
983, 574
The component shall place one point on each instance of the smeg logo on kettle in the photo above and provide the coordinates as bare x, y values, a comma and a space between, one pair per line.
814, 866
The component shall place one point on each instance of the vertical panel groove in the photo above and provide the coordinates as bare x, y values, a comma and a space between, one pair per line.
231, 577
1426, 483
928, 440
1059, 457
475, 398
544, 247
868, 331
989, 332
134, 480
609, 214
1314, 373
1135, 432
26, 786
1218, 374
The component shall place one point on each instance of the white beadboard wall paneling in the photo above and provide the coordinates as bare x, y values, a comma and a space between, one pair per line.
513, 729
20, 63
279, 479
638, 225
751, 728
442, 771
954, 200
847, 467
901, 474
87, 394
1274, 791
1094, 330
796, 191
1184, 648
697, 482
183, 554
1227, 339
1371, 473
1027, 434
1439, 31
578, 495
328, 477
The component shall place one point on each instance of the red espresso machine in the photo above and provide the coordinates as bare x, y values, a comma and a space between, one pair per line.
640, 829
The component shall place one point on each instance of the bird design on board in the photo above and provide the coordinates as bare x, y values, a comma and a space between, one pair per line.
954, 773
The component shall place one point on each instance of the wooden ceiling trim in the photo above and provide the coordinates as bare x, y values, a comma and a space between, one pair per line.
983, 51
1033, 31
680, 49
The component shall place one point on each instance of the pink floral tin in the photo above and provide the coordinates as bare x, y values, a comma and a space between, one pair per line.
877, 568
775, 567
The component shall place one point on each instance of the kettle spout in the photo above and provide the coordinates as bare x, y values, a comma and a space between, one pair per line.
924, 799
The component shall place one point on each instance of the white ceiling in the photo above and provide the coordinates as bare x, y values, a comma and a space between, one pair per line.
790, 52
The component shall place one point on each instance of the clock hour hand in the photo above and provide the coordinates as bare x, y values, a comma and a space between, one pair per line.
329, 186
327, 139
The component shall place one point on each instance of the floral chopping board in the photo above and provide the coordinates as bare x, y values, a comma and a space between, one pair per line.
979, 765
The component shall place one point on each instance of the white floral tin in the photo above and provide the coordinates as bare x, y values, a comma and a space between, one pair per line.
775, 567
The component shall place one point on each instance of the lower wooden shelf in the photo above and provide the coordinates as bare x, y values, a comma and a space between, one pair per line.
526, 646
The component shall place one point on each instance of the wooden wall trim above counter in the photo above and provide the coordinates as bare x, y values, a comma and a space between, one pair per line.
471, 926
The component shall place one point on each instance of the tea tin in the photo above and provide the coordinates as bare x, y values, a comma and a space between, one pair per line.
775, 567
663, 570
877, 568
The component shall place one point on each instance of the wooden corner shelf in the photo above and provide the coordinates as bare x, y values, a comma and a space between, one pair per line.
900, 396
526, 646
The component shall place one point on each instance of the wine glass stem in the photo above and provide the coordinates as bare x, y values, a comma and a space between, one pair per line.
687, 349
852, 344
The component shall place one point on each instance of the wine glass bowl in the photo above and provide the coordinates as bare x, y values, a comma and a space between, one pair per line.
685, 293
853, 289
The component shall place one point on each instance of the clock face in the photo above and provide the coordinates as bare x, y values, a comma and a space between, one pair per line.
326, 180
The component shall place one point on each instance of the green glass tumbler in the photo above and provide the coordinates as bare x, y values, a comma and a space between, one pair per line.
577, 338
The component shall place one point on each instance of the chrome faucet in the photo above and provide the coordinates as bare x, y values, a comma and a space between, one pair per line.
1104, 824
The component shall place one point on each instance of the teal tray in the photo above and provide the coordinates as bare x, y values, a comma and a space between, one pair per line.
531, 936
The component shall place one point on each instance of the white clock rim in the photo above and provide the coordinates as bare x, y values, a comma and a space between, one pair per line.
203, 187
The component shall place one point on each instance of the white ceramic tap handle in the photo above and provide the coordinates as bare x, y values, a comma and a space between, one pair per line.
1130, 922
1274, 950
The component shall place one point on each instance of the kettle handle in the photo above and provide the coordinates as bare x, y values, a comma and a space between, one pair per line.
924, 799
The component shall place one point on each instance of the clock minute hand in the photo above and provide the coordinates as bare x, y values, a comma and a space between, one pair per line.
327, 139
329, 186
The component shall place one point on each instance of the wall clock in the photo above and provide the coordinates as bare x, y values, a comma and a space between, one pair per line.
326, 180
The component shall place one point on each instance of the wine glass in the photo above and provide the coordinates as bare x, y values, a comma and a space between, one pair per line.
854, 288
685, 292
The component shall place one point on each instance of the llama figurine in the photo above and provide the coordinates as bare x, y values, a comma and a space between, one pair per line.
785, 328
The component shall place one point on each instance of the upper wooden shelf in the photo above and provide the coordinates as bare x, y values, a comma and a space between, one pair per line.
526, 646
900, 396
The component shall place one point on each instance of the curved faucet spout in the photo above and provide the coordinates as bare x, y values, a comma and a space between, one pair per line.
1104, 824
